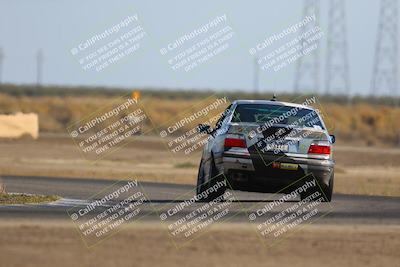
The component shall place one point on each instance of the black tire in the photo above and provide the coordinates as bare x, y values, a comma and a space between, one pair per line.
324, 190
214, 179
200, 179
328, 190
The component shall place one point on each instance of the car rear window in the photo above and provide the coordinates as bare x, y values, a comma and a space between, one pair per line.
276, 114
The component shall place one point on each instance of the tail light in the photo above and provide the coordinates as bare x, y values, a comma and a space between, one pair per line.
319, 149
234, 142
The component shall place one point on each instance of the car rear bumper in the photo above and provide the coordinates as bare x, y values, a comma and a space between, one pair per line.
260, 172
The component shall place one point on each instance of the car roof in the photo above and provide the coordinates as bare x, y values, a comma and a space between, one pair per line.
270, 102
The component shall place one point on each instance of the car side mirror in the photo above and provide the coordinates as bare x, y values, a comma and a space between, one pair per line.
204, 128
332, 139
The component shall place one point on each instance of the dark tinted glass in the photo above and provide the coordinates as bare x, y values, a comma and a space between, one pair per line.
275, 114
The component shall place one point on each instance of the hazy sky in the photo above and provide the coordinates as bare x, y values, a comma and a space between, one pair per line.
58, 26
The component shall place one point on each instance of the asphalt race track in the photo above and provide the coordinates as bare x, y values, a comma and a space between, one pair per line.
344, 209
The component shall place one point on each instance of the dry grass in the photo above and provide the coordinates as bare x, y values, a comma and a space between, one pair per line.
368, 124
371, 124
7, 199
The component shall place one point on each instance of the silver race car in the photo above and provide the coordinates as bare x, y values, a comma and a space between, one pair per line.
266, 146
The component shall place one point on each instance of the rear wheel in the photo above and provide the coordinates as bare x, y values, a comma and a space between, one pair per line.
215, 181
328, 191
200, 179
324, 190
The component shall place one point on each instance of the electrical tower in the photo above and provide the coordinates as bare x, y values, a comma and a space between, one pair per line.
337, 64
385, 70
307, 69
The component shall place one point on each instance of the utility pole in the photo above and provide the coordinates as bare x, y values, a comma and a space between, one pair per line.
39, 67
307, 69
256, 70
1, 65
385, 70
337, 63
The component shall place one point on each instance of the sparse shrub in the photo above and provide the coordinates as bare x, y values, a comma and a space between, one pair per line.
2, 188
372, 123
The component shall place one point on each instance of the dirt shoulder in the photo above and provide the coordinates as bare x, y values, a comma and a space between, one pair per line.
54, 244
359, 170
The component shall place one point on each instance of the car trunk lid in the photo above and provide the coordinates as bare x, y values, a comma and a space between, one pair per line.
279, 138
